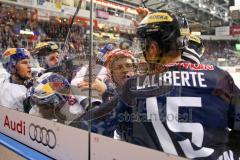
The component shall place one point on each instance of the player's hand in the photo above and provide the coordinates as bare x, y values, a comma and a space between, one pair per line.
142, 12
97, 85
83, 85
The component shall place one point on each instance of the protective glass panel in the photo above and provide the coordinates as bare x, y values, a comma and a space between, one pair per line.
164, 77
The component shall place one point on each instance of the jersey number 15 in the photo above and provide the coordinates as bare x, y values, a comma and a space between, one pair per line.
196, 129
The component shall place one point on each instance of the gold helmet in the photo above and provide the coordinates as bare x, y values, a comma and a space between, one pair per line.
194, 50
196, 43
44, 48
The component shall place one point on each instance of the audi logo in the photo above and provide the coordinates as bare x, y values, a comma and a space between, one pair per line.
42, 135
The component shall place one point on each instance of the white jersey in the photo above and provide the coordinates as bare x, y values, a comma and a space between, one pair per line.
83, 75
12, 95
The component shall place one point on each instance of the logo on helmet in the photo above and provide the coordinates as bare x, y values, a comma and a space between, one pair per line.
157, 17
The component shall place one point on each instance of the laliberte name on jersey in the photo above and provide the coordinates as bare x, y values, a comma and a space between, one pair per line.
172, 78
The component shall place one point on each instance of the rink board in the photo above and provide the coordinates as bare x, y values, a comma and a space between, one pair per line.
69, 143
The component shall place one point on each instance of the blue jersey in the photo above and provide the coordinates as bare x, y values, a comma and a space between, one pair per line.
189, 110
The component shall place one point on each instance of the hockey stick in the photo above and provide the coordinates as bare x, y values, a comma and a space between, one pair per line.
69, 31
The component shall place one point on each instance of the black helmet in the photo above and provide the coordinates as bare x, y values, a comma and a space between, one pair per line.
45, 48
165, 28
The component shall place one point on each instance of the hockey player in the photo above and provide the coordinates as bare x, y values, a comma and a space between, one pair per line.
52, 98
47, 54
13, 91
181, 108
121, 65
193, 50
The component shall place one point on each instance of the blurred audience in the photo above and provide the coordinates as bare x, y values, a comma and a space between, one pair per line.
13, 19
219, 51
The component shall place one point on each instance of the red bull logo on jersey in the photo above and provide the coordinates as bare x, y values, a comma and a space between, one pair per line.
197, 67
18, 127
192, 66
